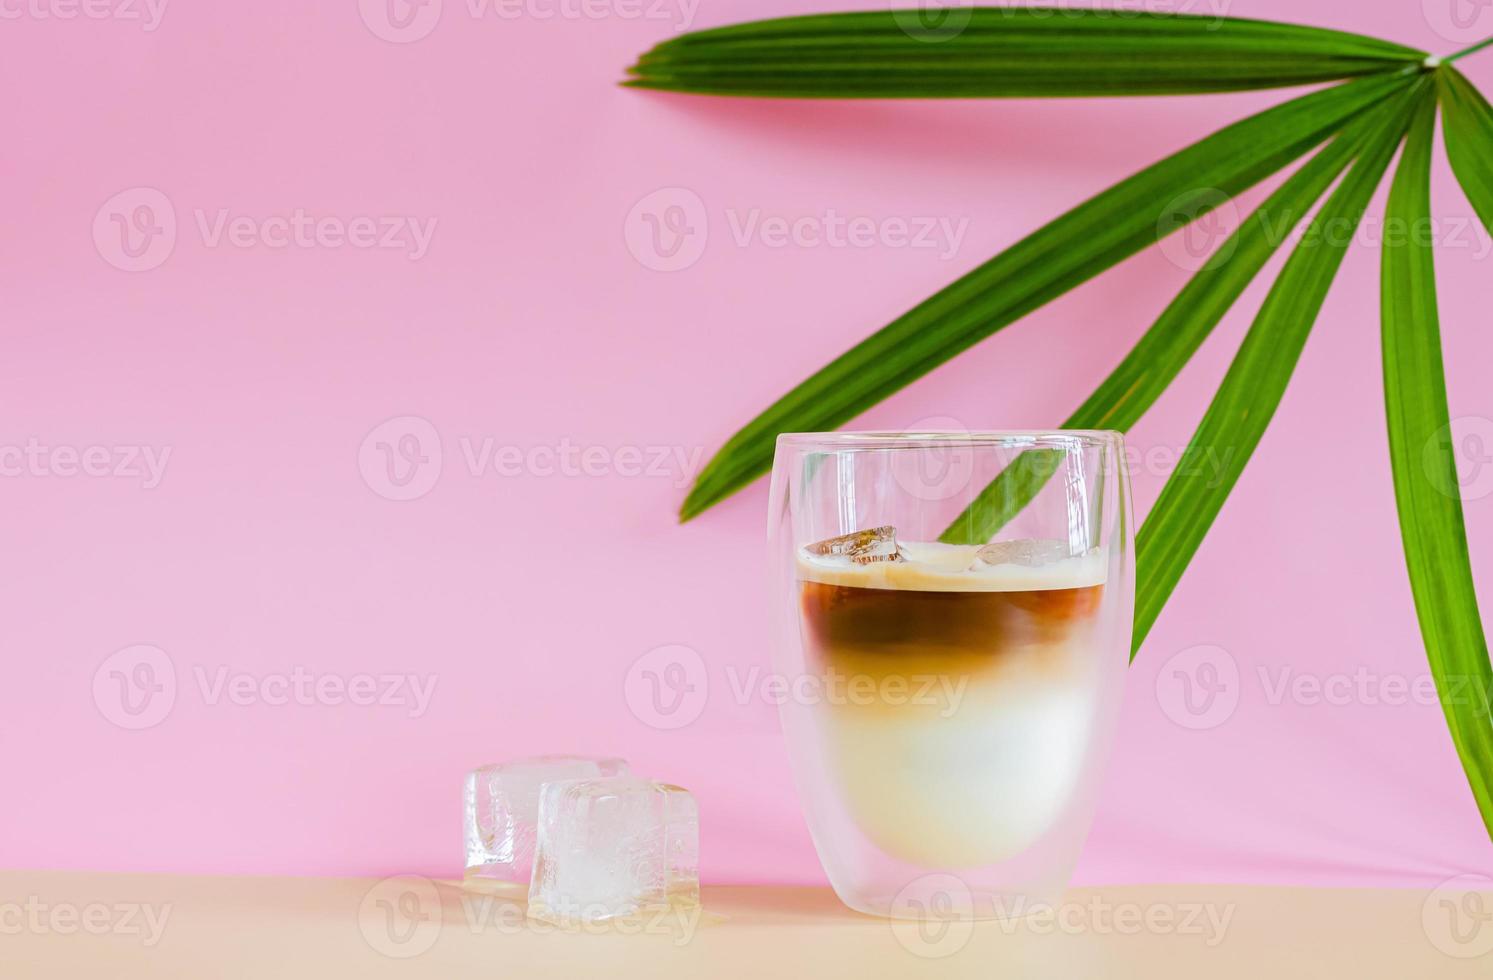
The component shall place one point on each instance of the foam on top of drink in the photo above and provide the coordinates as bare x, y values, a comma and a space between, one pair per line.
937, 567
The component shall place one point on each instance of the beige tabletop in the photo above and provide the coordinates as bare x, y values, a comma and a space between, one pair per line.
66, 924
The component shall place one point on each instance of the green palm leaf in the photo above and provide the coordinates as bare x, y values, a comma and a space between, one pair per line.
1256, 380
1071, 250
1003, 52
1133, 387
1469, 140
1425, 473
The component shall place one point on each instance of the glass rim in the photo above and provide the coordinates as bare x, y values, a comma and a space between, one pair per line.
927, 438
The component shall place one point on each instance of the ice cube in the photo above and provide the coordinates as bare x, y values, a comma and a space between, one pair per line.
612, 848
1027, 551
861, 547
502, 805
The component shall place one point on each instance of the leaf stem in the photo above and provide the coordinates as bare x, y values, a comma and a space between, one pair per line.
1467, 51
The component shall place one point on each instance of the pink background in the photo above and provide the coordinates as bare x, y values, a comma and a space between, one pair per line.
532, 321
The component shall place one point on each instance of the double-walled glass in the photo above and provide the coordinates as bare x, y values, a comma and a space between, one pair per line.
953, 615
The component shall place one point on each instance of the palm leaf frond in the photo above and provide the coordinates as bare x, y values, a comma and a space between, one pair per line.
1425, 472
1071, 250
1257, 378
1133, 387
1468, 121
1007, 52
